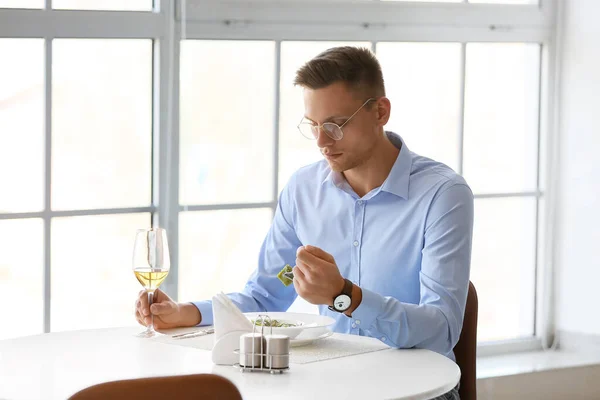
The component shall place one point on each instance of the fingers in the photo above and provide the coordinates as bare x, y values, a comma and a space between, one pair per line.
141, 304
319, 253
314, 258
309, 261
144, 321
161, 309
309, 275
142, 311
160, 296
299, 273
299, 280
164, 308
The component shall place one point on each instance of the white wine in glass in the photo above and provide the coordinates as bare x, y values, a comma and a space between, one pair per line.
149, 278
151, 263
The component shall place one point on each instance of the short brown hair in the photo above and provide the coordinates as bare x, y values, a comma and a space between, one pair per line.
356, 66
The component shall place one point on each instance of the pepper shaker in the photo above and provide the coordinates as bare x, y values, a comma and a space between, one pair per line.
277, 355
252, 348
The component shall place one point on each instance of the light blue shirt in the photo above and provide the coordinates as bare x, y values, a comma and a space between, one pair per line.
407, 244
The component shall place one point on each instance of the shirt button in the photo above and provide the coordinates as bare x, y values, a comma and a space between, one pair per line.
383, 338
355, 243
357, 322
354, 325
360, 202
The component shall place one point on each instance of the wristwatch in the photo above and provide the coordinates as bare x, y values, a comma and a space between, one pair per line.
343, 301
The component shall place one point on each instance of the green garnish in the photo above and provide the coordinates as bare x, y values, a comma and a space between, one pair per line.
283, 275
274, 323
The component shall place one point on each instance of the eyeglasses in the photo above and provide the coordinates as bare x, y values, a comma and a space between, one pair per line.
333, 130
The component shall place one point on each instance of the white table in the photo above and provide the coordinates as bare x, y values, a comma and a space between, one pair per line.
54, 366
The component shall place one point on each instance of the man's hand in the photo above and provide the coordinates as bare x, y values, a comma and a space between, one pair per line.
167, 313
317, 278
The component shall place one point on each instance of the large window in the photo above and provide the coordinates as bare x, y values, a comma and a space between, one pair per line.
76, 173
479, 116
186, 116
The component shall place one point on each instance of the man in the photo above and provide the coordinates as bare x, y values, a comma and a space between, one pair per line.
384, 232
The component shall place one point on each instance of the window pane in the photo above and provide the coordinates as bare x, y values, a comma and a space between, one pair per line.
21, 3
219, 250
126, 5
501, 117
296, 151
91, 257
503, 267
101, 123
22, 125
429, 1
227, 114
505, 1
423, 83
22, 276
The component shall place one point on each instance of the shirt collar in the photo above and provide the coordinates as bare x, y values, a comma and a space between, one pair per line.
334, 177
399, 177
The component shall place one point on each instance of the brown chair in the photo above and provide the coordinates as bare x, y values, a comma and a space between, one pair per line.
466, 348
186, 387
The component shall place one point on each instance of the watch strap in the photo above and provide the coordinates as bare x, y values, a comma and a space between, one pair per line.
347, 290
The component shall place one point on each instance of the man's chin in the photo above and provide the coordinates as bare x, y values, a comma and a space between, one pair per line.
336, 167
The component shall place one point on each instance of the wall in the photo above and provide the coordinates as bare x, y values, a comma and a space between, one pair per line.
578, 262
559, 384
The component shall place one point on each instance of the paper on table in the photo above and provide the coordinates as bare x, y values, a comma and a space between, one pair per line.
336, 346
227, 317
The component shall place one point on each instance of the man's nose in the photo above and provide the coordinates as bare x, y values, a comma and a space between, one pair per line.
323, 138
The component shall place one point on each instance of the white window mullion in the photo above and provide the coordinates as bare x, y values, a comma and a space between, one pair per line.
548, 165
276, 77
461, 114
166, 138
47, 180
537, 185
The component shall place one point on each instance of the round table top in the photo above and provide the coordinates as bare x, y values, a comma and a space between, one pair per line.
56, 365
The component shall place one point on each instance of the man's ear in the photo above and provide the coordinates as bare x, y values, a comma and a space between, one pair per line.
384, 108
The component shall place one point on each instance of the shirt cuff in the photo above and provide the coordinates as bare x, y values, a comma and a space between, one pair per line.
369, 309
206, 312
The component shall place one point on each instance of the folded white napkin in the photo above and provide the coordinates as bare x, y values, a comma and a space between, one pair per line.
227, 317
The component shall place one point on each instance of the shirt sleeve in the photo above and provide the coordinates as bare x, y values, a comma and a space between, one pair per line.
436, 322
263, 290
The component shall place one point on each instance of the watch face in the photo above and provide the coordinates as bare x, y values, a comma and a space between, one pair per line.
342, 302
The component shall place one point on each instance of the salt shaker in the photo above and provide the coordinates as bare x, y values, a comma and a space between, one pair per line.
252, 348
277, 355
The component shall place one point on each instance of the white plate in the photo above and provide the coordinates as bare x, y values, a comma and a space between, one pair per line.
309, 326
303, 342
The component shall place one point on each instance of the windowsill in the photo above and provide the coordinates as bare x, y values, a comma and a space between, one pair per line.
535, 361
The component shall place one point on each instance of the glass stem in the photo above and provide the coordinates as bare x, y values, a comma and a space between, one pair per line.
150, 327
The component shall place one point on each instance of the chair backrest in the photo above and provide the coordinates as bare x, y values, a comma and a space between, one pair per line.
466, 348
186, 387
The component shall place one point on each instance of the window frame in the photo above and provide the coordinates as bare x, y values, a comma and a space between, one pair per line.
49, 24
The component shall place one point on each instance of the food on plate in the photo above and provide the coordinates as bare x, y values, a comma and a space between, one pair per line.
275, 323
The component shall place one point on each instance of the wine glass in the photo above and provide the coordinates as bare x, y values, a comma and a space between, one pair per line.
151, 263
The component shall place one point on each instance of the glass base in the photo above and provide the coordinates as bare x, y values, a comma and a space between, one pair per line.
147, 334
